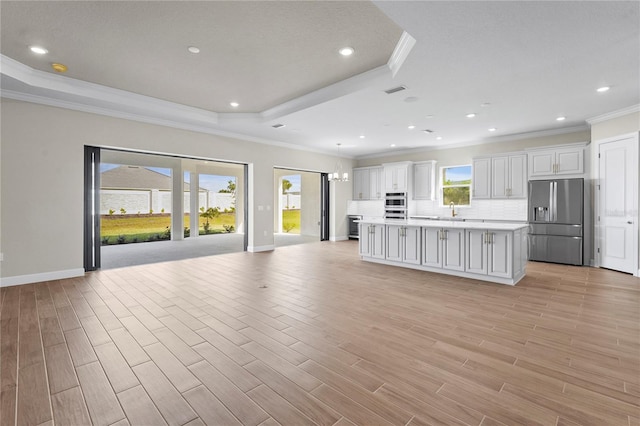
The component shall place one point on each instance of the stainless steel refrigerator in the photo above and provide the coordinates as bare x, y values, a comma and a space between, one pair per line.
556, 215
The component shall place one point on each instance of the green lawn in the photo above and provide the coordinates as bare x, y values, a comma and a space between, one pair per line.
291, 221
119, 229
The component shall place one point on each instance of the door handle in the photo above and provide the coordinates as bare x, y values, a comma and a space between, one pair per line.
630, 222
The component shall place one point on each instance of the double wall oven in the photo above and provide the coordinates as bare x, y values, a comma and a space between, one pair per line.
395, 205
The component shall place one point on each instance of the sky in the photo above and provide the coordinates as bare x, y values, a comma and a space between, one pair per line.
210, 182
295, 182
457, 174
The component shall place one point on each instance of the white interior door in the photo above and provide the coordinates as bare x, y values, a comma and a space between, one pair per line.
618, 205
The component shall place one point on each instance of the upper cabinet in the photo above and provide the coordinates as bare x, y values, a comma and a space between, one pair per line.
396, 177
376, 175
361, 185
424, 178
509, 176
549, 162
481, 181
500, 176
367, 183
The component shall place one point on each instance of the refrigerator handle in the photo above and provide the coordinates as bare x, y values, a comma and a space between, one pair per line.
552, 200
555, 201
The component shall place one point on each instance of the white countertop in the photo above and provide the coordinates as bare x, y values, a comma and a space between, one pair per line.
502, 226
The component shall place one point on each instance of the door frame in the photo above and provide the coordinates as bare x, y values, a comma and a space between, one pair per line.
596, 182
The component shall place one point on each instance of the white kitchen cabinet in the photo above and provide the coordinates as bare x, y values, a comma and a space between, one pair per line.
376, 175
489, 252
368, 183
372, 240
443, 248
424, 178
481, 181
553, 161
509, 176
396, 177
494, 252
361, 184
403, 244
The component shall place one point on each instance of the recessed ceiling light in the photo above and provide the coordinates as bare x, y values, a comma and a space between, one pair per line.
361, 136
485, 104
193, 49
470, 115
439, 138
411, 99
561, 118
346, 51
234, 104
392, 145
411, 127
492, 129
603, 89
429, 116
39, 50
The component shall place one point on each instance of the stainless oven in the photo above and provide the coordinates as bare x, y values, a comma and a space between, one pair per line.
395, 205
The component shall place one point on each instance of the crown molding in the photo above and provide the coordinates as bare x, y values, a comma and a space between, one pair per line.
59, 91
109, 112
496, 139
401, 52
614, 114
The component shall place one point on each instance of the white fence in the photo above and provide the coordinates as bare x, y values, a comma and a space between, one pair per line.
136, 201
290, 201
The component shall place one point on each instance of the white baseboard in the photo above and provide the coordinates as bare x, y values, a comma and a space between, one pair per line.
45, 276
342, 238
257, 249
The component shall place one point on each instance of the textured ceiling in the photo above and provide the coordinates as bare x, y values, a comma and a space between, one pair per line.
259, 54
530, 61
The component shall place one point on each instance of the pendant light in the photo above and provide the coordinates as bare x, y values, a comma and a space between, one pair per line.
338, 175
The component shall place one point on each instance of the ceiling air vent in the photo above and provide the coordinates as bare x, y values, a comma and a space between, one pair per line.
394, 90
428, 131
278, 126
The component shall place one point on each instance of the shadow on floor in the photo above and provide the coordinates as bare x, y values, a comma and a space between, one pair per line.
119, 256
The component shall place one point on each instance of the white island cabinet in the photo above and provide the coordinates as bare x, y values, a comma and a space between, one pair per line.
371, 240
493, 252
403, 244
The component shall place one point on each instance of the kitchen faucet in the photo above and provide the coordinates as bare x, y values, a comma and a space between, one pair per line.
453, 209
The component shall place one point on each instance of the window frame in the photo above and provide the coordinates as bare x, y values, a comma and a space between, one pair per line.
442, 186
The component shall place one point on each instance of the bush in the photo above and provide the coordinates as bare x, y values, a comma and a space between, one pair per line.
121, 239
229, 228
187, 232
111, 212
105, 241
288, 226
122, 210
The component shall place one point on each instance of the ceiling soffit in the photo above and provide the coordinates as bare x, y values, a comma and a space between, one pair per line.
259, 54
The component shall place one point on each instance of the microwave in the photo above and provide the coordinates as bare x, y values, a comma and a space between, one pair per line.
395, 205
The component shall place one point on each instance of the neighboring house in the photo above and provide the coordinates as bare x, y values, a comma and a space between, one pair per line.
138, 189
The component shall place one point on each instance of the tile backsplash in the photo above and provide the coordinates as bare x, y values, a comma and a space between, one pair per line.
479, 209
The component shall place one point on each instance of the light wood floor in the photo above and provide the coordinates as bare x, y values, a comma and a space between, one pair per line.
312, 335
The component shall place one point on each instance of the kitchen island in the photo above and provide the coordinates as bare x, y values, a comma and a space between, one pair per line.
495, 252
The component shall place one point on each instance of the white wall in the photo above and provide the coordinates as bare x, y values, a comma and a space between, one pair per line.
41, 214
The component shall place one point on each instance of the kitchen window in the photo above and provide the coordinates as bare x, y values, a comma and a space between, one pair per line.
455, 185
